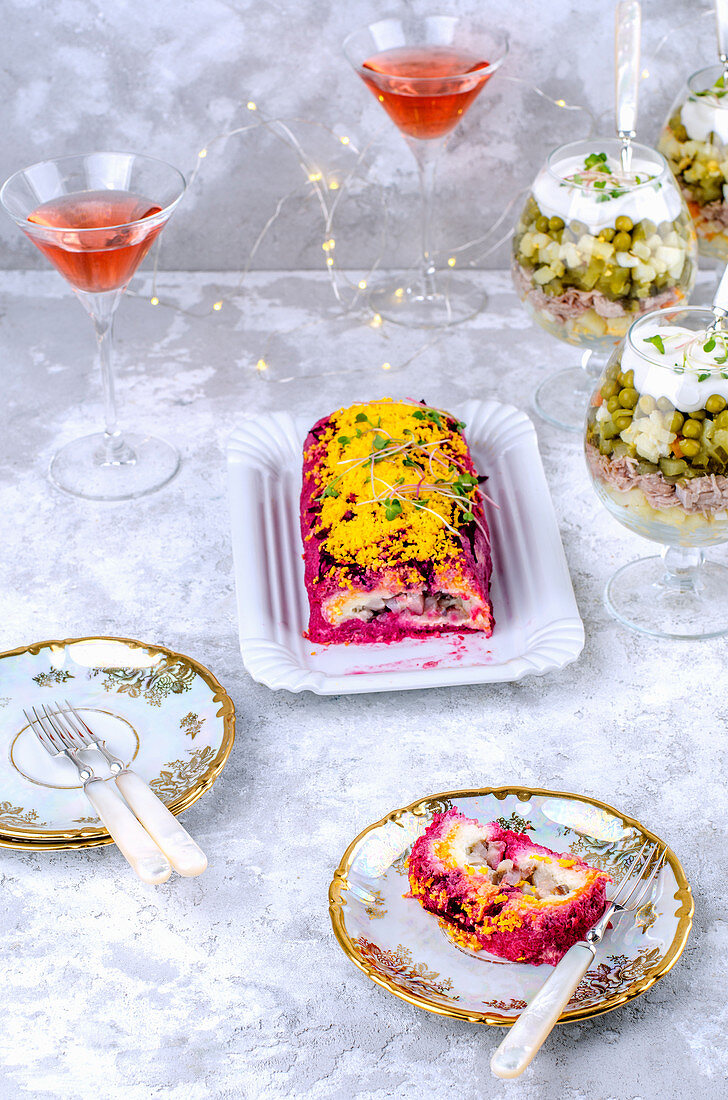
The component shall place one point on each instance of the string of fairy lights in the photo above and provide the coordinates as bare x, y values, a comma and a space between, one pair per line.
329, 186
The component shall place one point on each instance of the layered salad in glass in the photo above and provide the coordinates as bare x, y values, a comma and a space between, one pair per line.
657, 429
695, 145
596, 247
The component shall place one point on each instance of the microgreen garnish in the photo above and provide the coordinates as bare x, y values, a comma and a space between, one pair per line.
429, 414
710, 344
380, 442
329, 491
344, 440
592, 177
658, 343
704, 377
718, 90
392, 508
361, 418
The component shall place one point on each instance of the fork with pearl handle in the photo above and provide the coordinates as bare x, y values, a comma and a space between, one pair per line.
183, 853
150, 828
530, 1031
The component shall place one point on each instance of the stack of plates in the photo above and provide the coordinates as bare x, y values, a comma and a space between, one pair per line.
159, 711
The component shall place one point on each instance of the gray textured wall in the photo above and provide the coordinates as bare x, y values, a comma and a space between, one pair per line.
165, 77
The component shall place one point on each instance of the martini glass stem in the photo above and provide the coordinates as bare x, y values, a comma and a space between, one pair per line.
426, 154
102, 310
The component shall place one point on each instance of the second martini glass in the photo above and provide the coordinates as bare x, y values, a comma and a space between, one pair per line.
426, 72
95, 217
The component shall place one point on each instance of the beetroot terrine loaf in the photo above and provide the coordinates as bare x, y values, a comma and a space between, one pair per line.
394, 533
494, 890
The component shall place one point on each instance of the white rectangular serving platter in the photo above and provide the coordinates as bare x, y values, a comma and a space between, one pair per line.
538, 628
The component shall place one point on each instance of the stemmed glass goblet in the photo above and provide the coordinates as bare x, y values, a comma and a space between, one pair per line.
95, 217
594, 248
694, 141
426, 71
657, 450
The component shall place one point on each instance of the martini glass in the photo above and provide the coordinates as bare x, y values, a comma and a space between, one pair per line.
95, 217
426, 71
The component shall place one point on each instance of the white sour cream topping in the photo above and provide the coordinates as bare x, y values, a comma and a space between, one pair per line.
676, 374
659, 201
703, 114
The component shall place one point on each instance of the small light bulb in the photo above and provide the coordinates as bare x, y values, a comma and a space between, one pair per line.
386, 366
376, 321
154, 301
251, 106
399, 292
333, 185
329, 261
202, 154
261, 365
645, 74
362, 284
217, 306
314, 177
344, 140
451, 262
560, 102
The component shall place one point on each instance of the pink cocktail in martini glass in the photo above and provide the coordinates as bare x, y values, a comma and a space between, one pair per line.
426, 72
95, 217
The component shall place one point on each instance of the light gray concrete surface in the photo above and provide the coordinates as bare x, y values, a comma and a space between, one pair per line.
232, 985
165, 78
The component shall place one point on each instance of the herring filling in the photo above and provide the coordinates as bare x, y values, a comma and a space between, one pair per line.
534, 876
437, 608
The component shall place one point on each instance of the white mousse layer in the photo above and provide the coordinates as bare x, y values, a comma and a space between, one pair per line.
703, 115
658, 201
676, 374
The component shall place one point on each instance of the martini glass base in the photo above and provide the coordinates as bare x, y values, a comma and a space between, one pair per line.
645, 597
563, 398
146, 464
455, 300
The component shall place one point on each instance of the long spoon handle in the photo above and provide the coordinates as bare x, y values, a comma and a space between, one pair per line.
628, 23
721, 26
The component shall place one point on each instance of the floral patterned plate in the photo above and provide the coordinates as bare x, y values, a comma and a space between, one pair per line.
159, 711
400, 946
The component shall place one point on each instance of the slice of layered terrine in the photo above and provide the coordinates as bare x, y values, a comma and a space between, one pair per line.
494, 890
394, 532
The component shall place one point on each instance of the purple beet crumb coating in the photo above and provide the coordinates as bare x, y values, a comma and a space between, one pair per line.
388, 553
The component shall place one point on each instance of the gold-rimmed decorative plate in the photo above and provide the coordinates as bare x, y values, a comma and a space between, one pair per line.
163, 713
391, 938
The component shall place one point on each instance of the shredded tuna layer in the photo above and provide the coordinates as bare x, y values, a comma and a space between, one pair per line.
707, 495
573, 302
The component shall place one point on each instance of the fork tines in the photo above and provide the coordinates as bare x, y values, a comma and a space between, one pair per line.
639, 876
